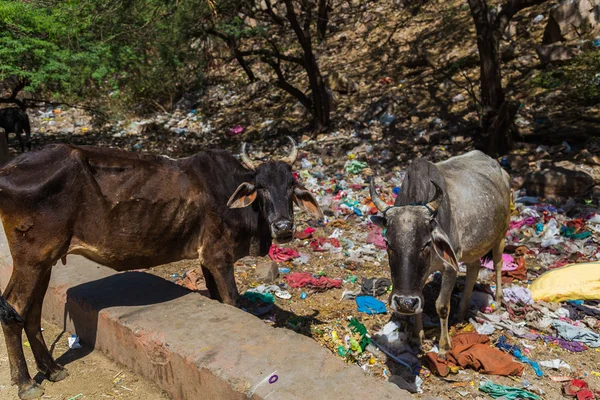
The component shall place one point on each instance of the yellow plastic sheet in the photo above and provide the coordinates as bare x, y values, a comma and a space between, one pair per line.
571, 282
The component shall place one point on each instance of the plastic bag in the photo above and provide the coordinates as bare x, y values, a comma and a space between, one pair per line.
571, 282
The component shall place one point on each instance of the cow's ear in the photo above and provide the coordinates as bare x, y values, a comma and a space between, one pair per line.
443, 248
243, 196
305, 200
379, 221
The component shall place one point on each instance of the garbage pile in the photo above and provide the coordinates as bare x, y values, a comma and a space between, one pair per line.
332, 283
541, 342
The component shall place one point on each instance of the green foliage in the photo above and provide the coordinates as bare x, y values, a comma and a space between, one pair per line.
584, 76
138, 51
580, 78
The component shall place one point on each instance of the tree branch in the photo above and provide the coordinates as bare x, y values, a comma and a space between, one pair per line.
267, 53
509, 9
283, 84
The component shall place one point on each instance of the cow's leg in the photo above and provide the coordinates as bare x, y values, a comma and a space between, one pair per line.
497, 257
220, 279
472, 273
211, 285
20, 293
18, 131
44, 360
418, 334
442, 306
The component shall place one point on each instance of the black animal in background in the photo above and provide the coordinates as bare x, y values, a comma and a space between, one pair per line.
14, 120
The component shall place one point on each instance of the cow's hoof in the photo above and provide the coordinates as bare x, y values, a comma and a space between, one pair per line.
442, 355
57, 376
31, 391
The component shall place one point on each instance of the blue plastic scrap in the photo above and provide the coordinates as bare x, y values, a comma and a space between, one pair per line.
516, 351
370, 305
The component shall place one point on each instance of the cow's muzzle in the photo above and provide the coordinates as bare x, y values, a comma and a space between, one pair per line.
282, 231
406, 305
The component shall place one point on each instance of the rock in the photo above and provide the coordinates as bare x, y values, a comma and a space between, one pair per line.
385, 58
511, 30
562, 181
570, 19
255, 87
414, 119
339, 82
553, 53
298, 110
267, 271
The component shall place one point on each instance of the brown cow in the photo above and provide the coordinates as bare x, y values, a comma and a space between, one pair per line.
128, 211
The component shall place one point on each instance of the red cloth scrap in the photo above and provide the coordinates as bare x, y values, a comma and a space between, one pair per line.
316, 243
303, 279
282, 254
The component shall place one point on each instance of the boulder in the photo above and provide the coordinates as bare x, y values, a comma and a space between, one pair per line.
339, 82
570, 19
267, 271
560, 181
555, 53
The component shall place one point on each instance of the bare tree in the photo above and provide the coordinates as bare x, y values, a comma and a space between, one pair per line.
498, 113
290, 25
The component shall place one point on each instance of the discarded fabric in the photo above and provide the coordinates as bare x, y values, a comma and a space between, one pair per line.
579, 388
576, 334
517, 294
571, 282
516, 351
375, 286
304, 279
282, 254
375, 237
508, 263
506, 392
255, 296
370, 305
474, 351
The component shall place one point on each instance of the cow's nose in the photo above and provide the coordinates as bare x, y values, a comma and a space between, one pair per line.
282, 227
407, 304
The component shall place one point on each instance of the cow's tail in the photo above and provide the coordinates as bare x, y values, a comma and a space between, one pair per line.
7, 312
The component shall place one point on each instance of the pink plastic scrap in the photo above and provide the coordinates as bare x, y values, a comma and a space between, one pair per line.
236, 130
518, 224
508, 263
282, 254
375, 237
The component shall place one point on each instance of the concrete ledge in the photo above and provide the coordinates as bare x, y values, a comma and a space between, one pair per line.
191, 346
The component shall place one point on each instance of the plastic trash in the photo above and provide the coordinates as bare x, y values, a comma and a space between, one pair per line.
539, 18
555, 364
552, 235
516, 351
73, 342
370, 305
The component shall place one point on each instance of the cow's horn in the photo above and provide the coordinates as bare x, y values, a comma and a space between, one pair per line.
291, 158
380, 204
435, 203
246, 160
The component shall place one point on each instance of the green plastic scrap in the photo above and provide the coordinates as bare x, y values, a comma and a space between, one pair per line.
507, 392
356, 166
357, 327
351, 278
254, 297
342, 351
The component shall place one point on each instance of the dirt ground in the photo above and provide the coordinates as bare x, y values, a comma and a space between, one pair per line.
321, 313
92, 376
